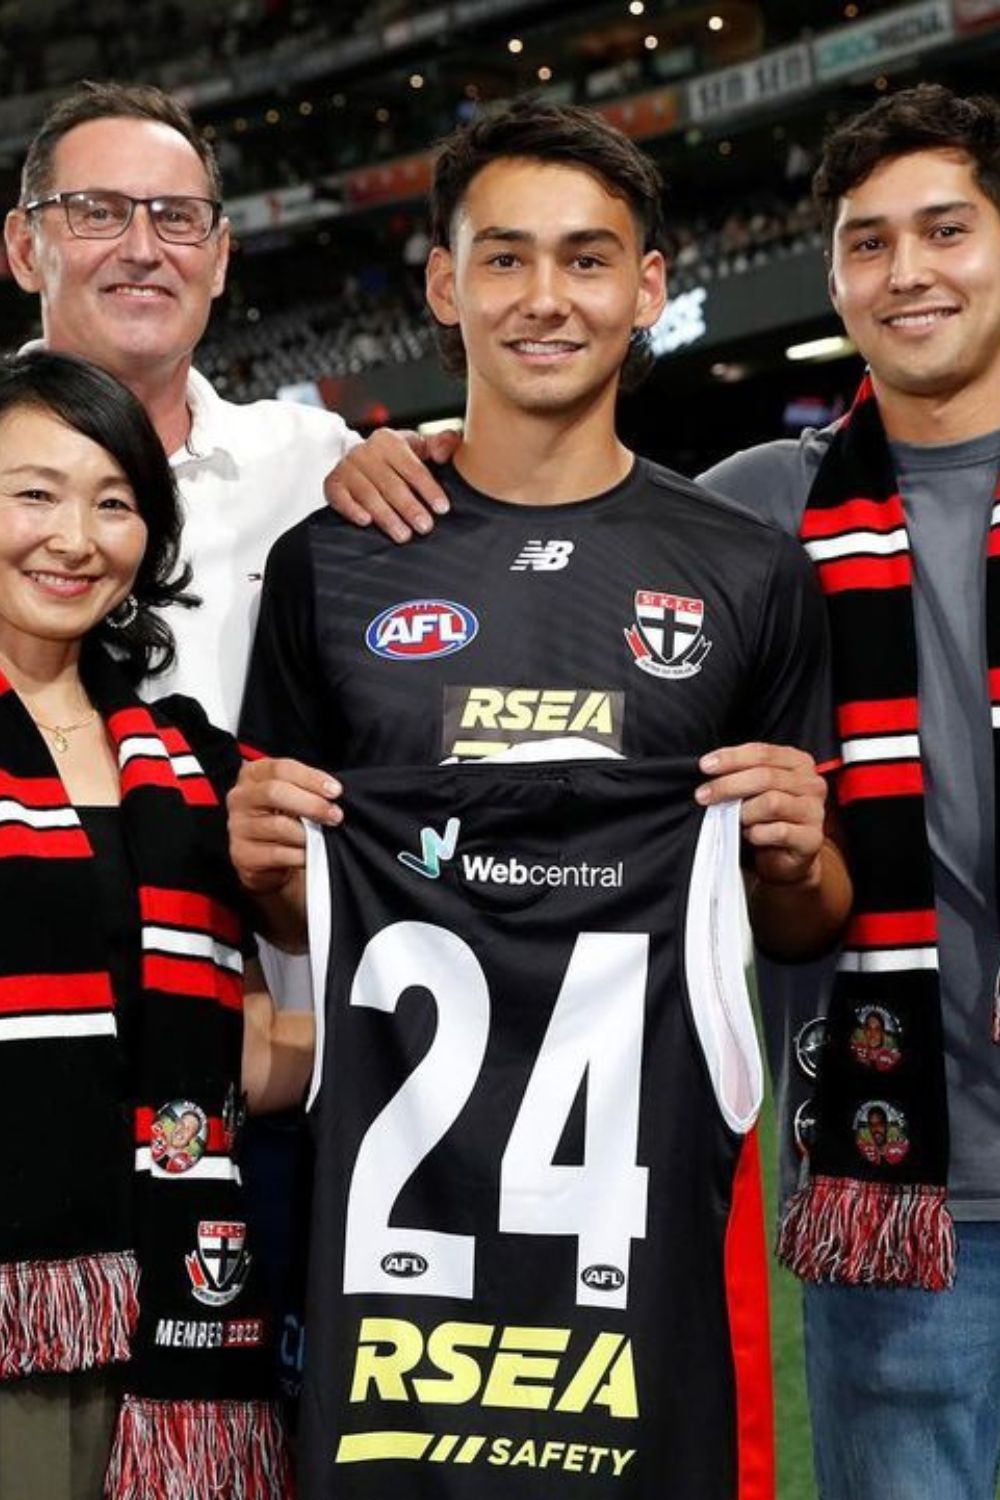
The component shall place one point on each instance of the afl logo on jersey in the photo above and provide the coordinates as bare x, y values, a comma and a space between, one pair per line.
421, 629
404, 1263
603, 1278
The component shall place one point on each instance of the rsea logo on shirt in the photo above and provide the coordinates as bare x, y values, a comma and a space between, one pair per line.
482, 721
421, 629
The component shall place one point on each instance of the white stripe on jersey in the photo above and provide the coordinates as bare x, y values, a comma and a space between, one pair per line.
715, 938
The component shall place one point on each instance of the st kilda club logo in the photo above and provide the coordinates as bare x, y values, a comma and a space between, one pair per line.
667, 637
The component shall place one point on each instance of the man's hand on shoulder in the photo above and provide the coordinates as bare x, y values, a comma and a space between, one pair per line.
801, 896
267, 843
385, 480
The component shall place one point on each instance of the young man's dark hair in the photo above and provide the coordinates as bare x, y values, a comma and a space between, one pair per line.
564, 135
110, 101
926, 118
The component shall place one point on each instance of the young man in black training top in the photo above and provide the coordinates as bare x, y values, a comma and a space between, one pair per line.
579, 592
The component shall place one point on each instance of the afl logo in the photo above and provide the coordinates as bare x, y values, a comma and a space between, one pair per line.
603, 1278
421, 629
403, 1263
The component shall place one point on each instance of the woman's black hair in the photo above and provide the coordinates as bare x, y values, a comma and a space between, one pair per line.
101, 408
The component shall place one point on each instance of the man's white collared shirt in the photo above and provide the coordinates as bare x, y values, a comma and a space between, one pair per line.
245, 475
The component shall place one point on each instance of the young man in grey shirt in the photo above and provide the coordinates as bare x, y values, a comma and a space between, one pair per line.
904, 1383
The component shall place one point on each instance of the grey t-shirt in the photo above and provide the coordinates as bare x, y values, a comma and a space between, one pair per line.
948, 494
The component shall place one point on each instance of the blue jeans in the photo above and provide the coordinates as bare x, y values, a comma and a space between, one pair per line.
904, 1386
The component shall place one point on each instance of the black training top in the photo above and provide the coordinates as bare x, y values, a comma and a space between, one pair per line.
656, 619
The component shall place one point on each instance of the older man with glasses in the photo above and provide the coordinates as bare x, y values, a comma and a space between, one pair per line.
121, 232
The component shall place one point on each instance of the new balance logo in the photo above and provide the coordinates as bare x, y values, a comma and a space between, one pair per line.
542, 557
434, 847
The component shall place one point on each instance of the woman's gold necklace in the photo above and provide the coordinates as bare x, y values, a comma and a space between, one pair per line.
59, 732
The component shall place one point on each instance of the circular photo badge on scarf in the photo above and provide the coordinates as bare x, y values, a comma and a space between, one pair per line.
876, 1037
179, 1136
880, 1133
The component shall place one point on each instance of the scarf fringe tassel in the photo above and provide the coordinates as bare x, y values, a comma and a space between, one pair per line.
60, 1315
869, 1234
176, 1450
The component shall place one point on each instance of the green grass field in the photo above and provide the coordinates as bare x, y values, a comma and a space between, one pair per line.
795, 1478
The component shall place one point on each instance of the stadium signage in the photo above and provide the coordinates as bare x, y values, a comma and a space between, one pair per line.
870, 44
776, 75
681, 322
974, 15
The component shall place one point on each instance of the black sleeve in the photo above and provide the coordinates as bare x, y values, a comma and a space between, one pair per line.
281, 713
790, 700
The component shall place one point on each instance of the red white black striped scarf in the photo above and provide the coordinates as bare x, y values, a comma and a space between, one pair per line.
110, 1249
874, 1209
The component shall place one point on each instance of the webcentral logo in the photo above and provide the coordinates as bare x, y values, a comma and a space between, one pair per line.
434, 847
492, 869
488, 869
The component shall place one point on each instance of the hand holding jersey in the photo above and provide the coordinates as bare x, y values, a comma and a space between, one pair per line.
782, 817
267, 841
783, 798
801, 890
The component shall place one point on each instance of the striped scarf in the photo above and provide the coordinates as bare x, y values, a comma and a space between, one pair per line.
116, 1241
874, 1208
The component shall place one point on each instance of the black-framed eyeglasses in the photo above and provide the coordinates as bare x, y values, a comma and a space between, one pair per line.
100, 214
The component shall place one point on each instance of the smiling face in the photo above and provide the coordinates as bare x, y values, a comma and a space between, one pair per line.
185, 1130
71, 536
133, 305
915, 275
874, 1030
546, 277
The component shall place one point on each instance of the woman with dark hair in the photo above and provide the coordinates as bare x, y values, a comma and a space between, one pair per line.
128, 1298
